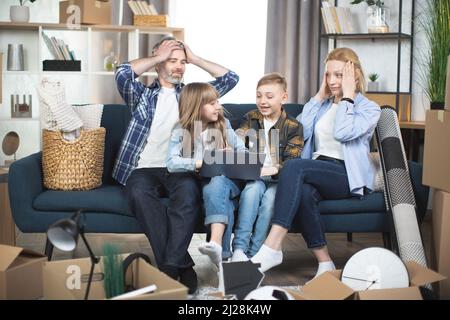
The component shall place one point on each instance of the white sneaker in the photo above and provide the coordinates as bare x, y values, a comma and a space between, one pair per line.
212, 250
239, 255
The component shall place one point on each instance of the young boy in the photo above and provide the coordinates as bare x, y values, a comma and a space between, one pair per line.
280, 137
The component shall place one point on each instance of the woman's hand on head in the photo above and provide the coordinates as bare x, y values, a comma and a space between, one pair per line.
348, 81
324, 91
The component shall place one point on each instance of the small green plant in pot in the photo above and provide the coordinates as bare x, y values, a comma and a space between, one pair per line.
373, 84
435, 23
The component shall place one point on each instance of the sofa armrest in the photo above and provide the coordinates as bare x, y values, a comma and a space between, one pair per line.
25, 183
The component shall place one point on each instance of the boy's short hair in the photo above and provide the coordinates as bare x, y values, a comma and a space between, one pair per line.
166, 38
271, 78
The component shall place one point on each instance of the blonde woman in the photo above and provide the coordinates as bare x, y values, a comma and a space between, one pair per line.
338, 123
202, 127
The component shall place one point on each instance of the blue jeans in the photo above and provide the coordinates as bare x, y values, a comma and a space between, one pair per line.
302, 184
255, 205
218, 196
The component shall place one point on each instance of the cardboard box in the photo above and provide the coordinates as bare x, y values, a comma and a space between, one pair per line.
404, 101
67, 280
20, 273
328, 286
447, 86
441, 239
436, 159
91, 11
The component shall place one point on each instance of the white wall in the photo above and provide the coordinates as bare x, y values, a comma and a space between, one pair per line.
231, 33
381, 56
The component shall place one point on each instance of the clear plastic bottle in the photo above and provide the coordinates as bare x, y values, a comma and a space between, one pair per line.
111, 62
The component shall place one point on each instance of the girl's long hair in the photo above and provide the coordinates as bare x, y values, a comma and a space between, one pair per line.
192, 98
345, 55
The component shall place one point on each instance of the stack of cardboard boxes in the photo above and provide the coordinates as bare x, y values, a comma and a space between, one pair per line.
436, 174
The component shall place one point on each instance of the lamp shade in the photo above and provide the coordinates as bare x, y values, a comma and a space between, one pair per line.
63, 234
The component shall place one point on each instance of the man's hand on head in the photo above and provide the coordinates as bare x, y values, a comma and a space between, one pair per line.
165, 49
190, 56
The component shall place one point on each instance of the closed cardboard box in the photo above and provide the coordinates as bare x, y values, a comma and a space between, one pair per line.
447, 87
67, 280
441, 239
91, 11
20, 273
436, 159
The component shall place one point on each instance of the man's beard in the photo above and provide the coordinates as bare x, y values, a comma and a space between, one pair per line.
174, 80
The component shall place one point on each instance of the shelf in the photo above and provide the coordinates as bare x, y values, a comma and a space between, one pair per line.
412, 125
62, 26
367, 36
21, 73
18, 119
386, 92
81, 73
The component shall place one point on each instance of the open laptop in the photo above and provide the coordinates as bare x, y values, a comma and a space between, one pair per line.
231, 164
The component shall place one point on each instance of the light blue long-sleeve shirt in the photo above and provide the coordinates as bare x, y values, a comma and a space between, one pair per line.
175, 160
354, 127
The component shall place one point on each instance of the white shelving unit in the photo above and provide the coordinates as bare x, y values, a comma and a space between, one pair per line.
91, 85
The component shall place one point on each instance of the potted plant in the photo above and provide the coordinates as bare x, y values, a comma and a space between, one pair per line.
20, 13
435, 22
378, 16
373, 84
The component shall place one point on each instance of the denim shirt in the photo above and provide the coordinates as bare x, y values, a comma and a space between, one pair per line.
175, 160
354, 127
142, 102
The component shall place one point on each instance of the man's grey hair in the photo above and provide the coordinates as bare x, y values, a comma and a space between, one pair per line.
166, 38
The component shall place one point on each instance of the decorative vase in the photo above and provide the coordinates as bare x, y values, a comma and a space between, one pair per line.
19, 13
373, 86
111, 62
378, 19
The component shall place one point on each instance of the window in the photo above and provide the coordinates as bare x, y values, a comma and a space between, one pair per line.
231, 33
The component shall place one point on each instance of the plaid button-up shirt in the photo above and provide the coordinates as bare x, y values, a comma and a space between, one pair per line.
142, 102
287, 130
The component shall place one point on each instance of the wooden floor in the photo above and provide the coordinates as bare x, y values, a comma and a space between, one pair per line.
298, 266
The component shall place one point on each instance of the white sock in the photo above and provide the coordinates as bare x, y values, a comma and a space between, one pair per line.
324, 267
267, 257
212, 250
239, 255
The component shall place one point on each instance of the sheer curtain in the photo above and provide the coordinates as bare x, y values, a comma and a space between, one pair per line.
292, 45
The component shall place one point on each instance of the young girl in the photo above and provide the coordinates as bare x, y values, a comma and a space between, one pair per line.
338, 123
202, 127
280, 137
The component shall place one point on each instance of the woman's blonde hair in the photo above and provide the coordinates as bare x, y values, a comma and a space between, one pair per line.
192, 98
345, 55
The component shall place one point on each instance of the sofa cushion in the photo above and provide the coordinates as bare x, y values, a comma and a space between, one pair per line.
369, 203
107, 198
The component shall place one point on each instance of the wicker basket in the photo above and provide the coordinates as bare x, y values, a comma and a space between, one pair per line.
73, 165
151, 21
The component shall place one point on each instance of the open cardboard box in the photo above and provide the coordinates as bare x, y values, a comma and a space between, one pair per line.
20, 273
328, 286
67, 280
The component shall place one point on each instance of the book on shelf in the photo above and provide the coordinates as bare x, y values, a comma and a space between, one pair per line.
142, 8
336, 20
58, 48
